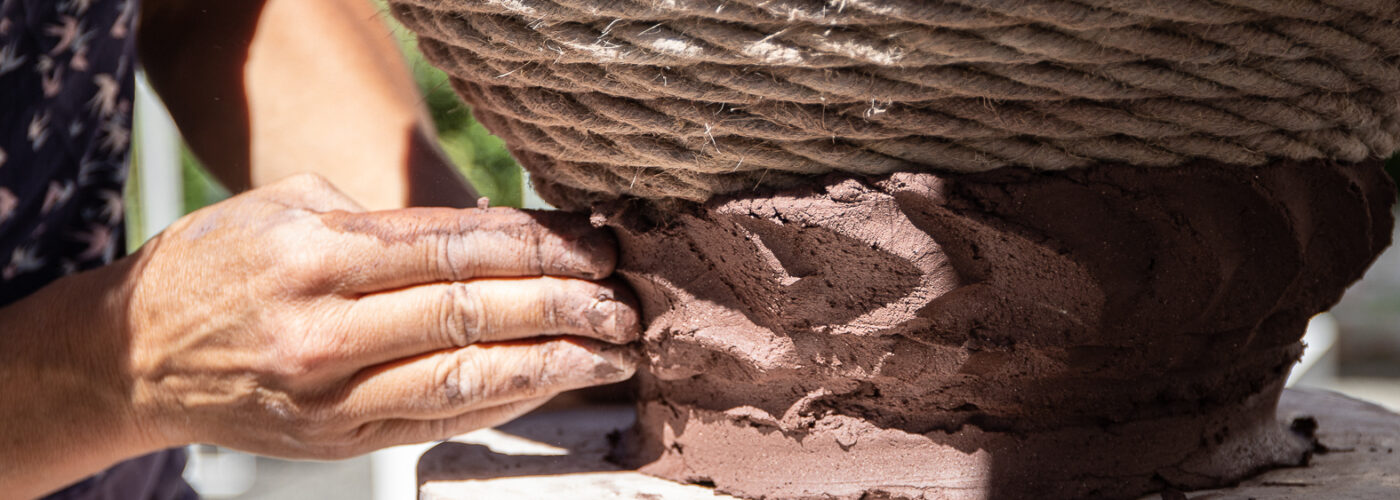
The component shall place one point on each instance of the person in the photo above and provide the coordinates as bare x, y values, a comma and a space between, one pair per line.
310, 316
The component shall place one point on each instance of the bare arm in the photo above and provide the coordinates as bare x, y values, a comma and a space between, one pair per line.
288, 320
63, 414
265, 89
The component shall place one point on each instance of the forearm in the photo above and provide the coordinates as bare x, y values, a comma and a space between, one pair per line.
267, 89
66, 412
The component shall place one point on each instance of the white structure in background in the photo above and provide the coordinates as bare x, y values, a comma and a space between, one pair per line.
394, 471
158, 144
531, 199
1319, 368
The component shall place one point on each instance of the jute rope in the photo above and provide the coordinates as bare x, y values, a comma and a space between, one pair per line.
684, 99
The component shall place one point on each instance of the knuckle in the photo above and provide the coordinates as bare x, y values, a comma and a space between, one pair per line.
292, 252
458, 381
302, 361
301, 265
449, 256
463, 315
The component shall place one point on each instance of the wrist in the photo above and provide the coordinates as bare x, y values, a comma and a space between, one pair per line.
63, 369
154, 421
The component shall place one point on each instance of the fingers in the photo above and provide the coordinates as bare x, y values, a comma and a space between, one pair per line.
394, 432
449, 383
407, 322
399, 248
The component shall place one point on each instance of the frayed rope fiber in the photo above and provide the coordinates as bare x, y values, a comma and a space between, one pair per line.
686, 99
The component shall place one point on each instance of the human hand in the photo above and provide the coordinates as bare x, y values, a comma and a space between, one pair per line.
287, 321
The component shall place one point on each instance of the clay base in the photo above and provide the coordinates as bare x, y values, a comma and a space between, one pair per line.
1361, 444
1095, 333
1112, 461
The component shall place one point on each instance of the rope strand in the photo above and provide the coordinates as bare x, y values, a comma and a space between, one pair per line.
686, 99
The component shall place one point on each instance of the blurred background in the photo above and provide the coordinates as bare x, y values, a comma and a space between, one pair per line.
1355, 349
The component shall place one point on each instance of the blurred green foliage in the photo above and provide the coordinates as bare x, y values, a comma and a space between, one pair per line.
200, 188
131, 197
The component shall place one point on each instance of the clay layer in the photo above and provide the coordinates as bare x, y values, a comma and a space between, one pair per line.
1100, 332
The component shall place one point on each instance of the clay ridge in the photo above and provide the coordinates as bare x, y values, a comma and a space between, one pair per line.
1014, 302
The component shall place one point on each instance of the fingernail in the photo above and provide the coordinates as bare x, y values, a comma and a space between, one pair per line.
611, 317
589, 254
613, 363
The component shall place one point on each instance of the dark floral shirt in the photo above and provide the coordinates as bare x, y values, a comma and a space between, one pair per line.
66, 86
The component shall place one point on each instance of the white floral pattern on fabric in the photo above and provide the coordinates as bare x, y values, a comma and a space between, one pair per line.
65, 130
66, 88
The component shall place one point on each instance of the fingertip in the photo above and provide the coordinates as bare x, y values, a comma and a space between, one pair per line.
589, 253
628, 317
616, 363
603, 363
602, 248
611, 314
573, 247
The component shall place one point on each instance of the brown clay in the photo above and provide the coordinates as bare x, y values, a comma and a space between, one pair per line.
1101, 332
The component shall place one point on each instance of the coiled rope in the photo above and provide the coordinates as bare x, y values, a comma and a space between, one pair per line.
685, 99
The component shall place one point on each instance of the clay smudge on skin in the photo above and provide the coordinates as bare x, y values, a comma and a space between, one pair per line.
562, 241
412, 224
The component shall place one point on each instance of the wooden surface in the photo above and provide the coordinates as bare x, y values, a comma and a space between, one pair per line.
1361, 461
560, 455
